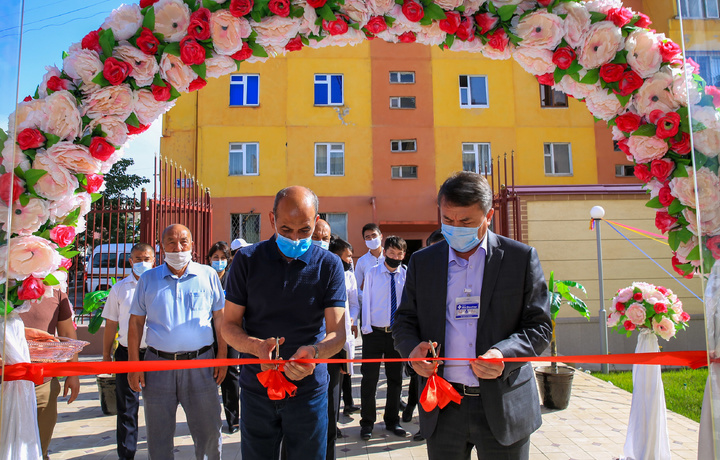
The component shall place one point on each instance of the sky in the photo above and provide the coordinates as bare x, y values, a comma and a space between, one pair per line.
49, 27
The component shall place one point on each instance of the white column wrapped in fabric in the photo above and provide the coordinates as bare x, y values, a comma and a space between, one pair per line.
19, 438
647, 435
708, 438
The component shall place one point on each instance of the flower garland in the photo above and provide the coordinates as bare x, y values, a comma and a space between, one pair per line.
644, 305
121, 77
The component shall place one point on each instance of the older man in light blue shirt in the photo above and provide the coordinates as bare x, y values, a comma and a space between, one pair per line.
177, 300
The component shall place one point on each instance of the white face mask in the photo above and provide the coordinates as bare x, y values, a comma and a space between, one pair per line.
141, 267
178, 260
374, 243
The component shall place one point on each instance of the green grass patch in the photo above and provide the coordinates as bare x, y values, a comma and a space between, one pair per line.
683, 388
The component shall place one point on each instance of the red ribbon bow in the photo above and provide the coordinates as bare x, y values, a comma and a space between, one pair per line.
276, 383
25, 371
438, 392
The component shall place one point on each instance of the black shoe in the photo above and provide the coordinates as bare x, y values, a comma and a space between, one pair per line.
402, 405
339, 434
397, 430
233, 429
350, 409
418, 437
407, 413
365, 433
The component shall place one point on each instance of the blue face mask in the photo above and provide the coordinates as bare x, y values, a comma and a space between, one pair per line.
141, 267
219, 265
461, 239
322, 244
290, 248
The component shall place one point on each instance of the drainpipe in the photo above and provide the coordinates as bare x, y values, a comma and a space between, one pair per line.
374, 209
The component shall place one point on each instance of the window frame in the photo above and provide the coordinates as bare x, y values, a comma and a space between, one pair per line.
328, 159
469, 104
328, 84
243, 218
552, 158
325, 215
626, 169
684, 4
547, 92
244, 158
400, 73
245, 89
399, 102
477, 153
400, 143
400, 169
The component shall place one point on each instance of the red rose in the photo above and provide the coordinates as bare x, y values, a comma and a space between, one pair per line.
294, 44
28, 98
619, 16
486, 22
563, 57
146, 3
94, 182
91, 41
642, 172
18, 187
684, 317
147, 42
65, 263
62, 235
655, 115
336, 27
637, 296
407, 37
669, 50
662, 290
140, 129
317, 3
622, 145
668, 125
681, 147
547, 79
466, 30
413, 10
629, 82
715, 93
199, 27
280, 7
628, 122
665, 196
644, 21
545, 2
116, 71
451, 22
376, 24
101, 149
713, 244
660, 307
664, 221
30, 138
612, 72
31, 289
161, 93
196, 85
620, 307
240, 8
498, 40
675, 263
191, 52
57, 84
629, 326
244, 53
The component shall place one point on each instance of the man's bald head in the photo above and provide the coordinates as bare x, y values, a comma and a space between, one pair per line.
175, 229
296, 196
322, 231
177, 238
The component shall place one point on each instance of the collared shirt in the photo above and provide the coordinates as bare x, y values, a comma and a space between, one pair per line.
178, 310
117, 308
352, 310
376, 306
365, 263
285, 299
464, 277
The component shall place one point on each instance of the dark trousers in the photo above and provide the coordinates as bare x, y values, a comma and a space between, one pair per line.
462, 426
378, 345
413, 395
333, 406
346, 388
230, 388
128, 403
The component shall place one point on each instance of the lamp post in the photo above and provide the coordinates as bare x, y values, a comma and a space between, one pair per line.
597, 213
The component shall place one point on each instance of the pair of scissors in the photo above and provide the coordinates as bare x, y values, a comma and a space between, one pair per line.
277, 350
435, 352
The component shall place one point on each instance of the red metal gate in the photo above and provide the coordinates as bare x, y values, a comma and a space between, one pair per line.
506, 202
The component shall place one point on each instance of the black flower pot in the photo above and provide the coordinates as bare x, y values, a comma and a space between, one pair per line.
108, 398
555, 386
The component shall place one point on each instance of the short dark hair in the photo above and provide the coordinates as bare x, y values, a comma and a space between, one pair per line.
219, 246
396, 242
338, 245
435, 237
142, 247
284, 193
370, 226
466, 188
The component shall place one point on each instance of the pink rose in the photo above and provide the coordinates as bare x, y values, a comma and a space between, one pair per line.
124, 21
624, 295
577, 24
172, 18
147, 108
58, 183
59, 210
540, 29
358, 11
603, 105
707, 141
26, 220
114, 127
227, 32
604, 40
486, 22
664, 222
448, 5
66, 263
31, 256
176, 72
664, 328
45, 85
708, 195
537, 61
95, 183
644, 149
29, 114
13, 157
62, 235
275, 31
636, 314
74, 157
629, 326
219, 65
83, 65
661, 169
614, 319
654, 95
660, 307
31, 289
144, 66
619, 16
643, 49
61, 116
115, 101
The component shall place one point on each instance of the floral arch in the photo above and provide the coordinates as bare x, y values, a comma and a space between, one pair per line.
120, 78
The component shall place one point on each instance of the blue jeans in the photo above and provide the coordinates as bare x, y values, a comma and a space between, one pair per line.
197, 392
300, 422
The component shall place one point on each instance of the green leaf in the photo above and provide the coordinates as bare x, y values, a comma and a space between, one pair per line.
647, 130
95, 196
24, 200
694, 254
192, 4
173, 48
158, 81
52, 139
132, 120
174, 93
654, 203
591, 77
200, 69
673, 240
296, 11
107, 42
20, 173
72, 218
259, 50
433, 11
449, 40
326, 13
425, 21
558, 74
676, 207
32, 176
506, 12
211, 5
101, 80
596, 17
685, 235
50, 280
3, 137
86, 141
680, 171
149, 19
95, 323
491, 8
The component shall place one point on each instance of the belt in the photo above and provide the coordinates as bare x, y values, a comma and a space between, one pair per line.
386, 330
142, 350
180, 356
466, 390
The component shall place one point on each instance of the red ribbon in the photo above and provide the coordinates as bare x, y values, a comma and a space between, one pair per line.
276, 383
438, 392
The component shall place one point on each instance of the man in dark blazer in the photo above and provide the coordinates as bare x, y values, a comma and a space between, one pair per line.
476, 296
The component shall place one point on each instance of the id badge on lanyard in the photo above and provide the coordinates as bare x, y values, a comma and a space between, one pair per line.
467, 307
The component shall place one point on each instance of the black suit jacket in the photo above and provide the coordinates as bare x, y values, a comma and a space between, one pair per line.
514, 318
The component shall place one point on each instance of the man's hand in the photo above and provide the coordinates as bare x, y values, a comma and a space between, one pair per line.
354, 330
488, 370
136, 380
219, 374
297, 371
72, 386
265, 351
39, 335
424, 368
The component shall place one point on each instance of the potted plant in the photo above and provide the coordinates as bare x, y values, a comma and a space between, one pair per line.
93, 304
555, 381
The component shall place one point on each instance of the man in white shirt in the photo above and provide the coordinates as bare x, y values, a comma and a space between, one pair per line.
383, 288
373, 240
117, 315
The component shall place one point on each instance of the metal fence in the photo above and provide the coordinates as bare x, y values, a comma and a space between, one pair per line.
506, 202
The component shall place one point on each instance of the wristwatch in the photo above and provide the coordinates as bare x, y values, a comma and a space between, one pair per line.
317, 352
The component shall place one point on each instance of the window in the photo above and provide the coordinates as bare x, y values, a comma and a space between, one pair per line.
558, 160
476, 158
550, 97
243, 159
473, 91
709, 65
403, 145
404, 172
328, 89
244, 90
337, 222
245, 226
402, 102
402, 77
616, 147
699, 9
624, 171
329, 159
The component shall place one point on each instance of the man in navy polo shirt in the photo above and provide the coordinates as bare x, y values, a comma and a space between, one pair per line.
286, 287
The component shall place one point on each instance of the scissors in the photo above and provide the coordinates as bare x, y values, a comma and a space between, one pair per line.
435, 352
277, 350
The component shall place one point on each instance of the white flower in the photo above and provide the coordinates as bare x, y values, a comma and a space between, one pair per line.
643, 49
537, 61
124, 21
144, 67
172, 18
603, 105
83, 65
